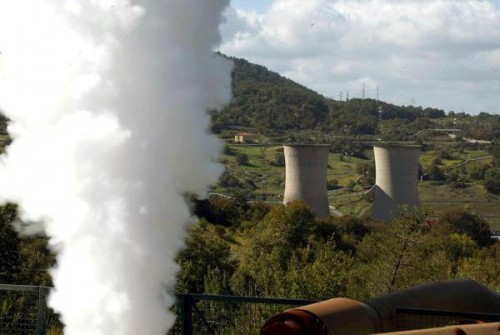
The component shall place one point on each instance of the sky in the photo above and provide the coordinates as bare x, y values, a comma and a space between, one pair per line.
431, 53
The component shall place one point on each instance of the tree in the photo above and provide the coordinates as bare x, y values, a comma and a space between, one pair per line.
223, 211
435, 172
242, 159
492, 180
292, 255
23, 260
395, 257
462, 222
495, 151
10, 246
205, 252
482, 266
279, 159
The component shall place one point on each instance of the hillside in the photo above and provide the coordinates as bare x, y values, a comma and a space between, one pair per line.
268, 103
265, 100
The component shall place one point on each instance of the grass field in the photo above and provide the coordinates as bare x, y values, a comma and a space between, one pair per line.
473, 198
269, 181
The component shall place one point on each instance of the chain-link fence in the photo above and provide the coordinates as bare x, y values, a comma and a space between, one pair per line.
23, 310
225, 315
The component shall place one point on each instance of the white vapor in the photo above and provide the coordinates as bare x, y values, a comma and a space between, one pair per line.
108, 103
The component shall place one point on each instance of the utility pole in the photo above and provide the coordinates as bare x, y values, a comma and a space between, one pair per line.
363, 95
347, 96
380, 110
377, 92
340, 96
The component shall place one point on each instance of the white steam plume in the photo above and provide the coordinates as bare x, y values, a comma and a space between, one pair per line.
108, 103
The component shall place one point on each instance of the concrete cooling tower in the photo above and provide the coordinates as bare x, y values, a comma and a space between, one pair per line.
396, 179
306, 176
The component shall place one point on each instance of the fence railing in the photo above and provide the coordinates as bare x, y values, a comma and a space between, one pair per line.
215, 314
23, 310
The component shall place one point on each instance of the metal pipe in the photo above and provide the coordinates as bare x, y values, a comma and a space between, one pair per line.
472, 329
340, 316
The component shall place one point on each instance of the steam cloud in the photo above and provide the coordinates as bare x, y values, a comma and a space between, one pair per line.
107, 100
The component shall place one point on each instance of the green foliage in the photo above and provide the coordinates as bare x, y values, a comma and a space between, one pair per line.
367, 172
4, 121
221, 210
492, 180
241, 159
268, 102
495, 152
332, 184
352, 230
23, 260
445, 154
462, 222
293, 223
482, 127
205, 253
476, 170
228, 151
10, 246
228, 180
265, 100
313, 273
283, 251
288, 251
279, 159
387, 257
482, 266
435, 172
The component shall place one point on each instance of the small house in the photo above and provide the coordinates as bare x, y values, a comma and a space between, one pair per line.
243, 138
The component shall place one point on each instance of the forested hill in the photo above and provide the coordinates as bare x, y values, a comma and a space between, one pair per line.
266, 101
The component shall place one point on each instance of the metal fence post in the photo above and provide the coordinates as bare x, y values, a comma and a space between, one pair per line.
186, 314
41, 311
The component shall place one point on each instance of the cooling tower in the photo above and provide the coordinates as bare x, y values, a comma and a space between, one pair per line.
306, 176
396, 179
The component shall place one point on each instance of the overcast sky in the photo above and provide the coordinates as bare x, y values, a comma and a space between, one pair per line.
434, 53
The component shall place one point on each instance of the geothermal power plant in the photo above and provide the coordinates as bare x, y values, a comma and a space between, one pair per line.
396, 179
306, 176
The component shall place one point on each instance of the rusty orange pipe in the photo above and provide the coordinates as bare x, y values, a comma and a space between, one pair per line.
340, 316
475, 329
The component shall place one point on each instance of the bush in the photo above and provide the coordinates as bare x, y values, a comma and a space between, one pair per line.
459, 184
445, 154
228, 151
435, 172
332, 184
228, 180
492, 180
279, 159
242, 159
474, 226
